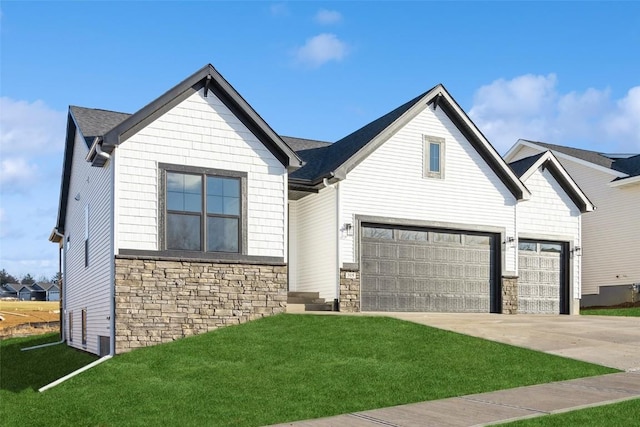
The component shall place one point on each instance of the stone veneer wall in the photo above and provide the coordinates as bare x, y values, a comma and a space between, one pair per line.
509, 295
160, 301
349, 290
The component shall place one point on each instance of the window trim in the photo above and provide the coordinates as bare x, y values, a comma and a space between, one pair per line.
84, 326
70, 326
426, 157
163, 168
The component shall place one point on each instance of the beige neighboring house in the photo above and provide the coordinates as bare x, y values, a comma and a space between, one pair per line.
611, 234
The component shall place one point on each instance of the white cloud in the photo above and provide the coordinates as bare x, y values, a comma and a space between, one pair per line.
279, 9
531, 107
327, 17
321, 49
30, 127
16, 173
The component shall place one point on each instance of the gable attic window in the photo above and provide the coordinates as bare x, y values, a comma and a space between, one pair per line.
433, 157
204, 209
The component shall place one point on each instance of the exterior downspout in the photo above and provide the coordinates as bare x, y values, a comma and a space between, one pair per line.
336, 188
112, 272
74, 373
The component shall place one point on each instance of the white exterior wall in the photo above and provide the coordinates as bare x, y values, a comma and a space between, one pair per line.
88, 287
390, 183
314, 246
611, 233
551, 214
200, 132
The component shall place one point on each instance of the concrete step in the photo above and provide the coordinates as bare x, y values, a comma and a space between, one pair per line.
295, 308
304, 300
327, 306
310, 295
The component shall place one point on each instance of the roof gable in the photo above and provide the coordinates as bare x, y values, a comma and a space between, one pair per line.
527, 166
341, 157
619, 165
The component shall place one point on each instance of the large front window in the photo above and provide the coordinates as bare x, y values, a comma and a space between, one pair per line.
203, 212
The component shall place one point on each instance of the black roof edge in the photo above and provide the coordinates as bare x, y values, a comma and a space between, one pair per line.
69, 146
478, 145
207, 76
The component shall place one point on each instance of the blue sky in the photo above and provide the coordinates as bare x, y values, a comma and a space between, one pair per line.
565, 73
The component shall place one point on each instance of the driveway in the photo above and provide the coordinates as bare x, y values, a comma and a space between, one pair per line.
604, 340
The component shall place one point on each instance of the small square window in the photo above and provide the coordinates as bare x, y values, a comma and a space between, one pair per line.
433, 157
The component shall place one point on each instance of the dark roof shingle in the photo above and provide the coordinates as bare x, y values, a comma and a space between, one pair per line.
96, 122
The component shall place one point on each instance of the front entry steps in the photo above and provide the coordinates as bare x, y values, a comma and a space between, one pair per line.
298, 302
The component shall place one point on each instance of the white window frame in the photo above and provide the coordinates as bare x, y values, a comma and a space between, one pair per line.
426, 157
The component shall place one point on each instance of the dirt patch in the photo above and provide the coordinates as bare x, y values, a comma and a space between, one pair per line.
22, 318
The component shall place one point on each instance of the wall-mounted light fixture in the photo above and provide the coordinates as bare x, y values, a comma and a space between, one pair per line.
576, 251
348, 229
77, 198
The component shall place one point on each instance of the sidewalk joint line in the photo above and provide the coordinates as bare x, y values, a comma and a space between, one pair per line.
538, 411
374, 420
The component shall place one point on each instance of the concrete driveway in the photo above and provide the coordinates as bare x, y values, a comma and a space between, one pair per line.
604, 340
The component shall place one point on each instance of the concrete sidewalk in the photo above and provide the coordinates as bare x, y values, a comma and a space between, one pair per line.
495, 407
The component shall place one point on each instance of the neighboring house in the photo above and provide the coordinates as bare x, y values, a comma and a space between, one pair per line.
26, 293
193, 214
9, 290
611, 235
45, 291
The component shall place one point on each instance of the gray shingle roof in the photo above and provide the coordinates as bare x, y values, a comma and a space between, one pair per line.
96, 122
630, 165
523, 165
336, 154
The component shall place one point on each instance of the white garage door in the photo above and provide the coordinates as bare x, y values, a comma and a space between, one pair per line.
430, 270
542, 281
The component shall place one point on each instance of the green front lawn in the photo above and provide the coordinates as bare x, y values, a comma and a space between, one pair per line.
628, 311
618, 414
277, 369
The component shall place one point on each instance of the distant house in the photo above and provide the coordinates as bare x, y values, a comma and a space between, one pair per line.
9, 290
46, 291
192, 214
610, 250
26, 293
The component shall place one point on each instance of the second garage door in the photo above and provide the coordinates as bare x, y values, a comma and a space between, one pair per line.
430, 270
542, 281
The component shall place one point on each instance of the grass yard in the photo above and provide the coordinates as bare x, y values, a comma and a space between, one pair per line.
277, 369
627, 311
626, 413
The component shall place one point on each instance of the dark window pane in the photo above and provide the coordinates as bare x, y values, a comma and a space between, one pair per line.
434, 157
222, 234
231, 187
413, 235
377, 233
446, 237
231, 206
527, 246
214, 186
223, 195
183, 232
184, 192
472, 239
214, 205
550, 247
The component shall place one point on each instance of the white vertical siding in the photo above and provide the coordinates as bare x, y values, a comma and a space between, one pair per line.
390, 183
292, 259
551, 212
611, 233
315, 245
89, 287
199, 132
